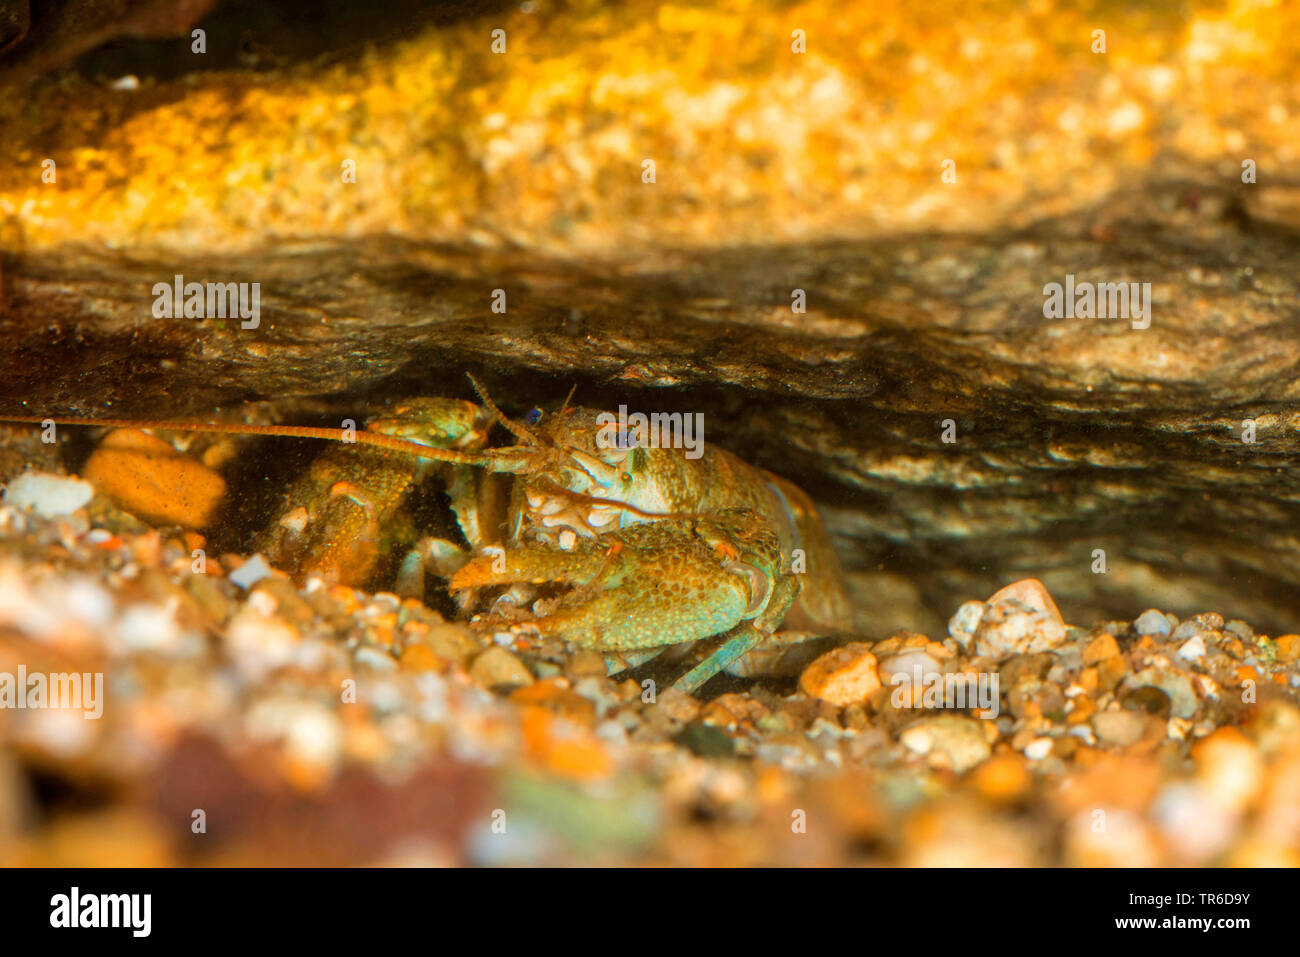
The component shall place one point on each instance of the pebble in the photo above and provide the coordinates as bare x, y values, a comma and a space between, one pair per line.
1020, 619
963, 624
143, 627
948, 740
1287, 648
1003, 778
258, 640
1038, 749
496, 666
251, 572
843, 676
1193, 649
1182, 698
1110, 837
47, 494
1195, 828
1229, 768
1100, 648
1240, 629
1152, 622
1119, 728
150, 479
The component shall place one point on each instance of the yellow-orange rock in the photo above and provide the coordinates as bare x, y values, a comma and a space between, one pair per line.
844, 676
153, 481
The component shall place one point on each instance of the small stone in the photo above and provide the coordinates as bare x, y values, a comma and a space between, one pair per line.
555, 695
1240, 629
706, 741
1118, 728
1182, 697
1193, 649
1229, 768
678, 705
963, 624
948, 740
1151, 622
144, 627
1100, 648
496, 666
1194, 826
153, 481
251, 572
842, 676
1004, 779
1287, 648
1038, 749
1020, 619
1147, 699
1111, 671
47, 494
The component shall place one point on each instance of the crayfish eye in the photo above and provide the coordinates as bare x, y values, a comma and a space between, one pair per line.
533, 416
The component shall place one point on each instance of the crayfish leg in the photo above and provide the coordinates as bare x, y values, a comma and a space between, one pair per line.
743, 638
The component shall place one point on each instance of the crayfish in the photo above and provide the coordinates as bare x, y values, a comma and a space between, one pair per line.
592, 538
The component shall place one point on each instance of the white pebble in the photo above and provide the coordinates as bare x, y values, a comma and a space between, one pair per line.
149, 627
1038, 749
251, 572
917, 739
47, 494
1192, 649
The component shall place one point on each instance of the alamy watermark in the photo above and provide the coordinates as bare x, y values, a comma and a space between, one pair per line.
934, 689
82, 691
659, 430
208, 300
1103, 300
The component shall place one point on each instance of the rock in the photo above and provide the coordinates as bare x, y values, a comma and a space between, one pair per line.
251, 572
1152, 622
1193, 649
962, 625
1147, 699
678, 705
1110, 837
150, 479
496, 666
47, 494
1119, 728
1240, 629
1194, 827
259, 640
1003, 778
555, 695
1287, 648
1229, 768
909, 671
1182, 697
706, 740
1038, 749
948, 740
1100, 648
843, 676
1019, 619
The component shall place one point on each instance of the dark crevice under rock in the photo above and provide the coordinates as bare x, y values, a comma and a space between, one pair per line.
1071, 435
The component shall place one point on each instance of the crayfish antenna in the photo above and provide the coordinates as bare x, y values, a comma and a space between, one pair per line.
517, 429
568, 398
346, 436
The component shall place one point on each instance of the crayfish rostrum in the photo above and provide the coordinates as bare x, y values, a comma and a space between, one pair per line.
616, 546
